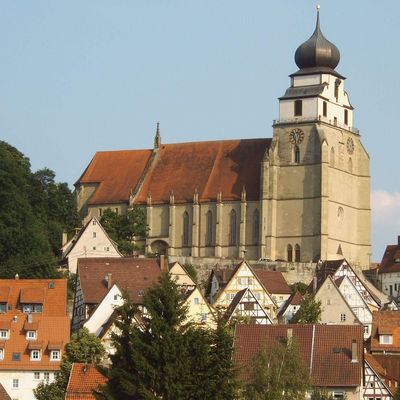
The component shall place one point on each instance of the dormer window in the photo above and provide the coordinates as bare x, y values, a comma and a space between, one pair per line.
4, 334
3, 308
397, 260
1, 354
386, 339
298, 108
31, 335
55, 355
36, 355
32, 308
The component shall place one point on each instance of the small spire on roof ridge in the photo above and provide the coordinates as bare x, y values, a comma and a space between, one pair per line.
157, 138
219, 196
196, 197
149, 199
244, 193
172, 198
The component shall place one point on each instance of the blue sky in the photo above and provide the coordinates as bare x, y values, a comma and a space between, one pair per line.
81, 76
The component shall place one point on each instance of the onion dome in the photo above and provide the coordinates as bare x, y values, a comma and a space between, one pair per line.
317, 51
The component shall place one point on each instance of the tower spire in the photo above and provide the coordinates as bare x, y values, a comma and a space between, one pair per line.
157, 138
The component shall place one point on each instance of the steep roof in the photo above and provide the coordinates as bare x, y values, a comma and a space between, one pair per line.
390, 363
181, 168
385, 322
390, 260
295, 299
52, 293
116, 172
83, 380
52, 325
134, 275
273, 281
382, 372
325, 349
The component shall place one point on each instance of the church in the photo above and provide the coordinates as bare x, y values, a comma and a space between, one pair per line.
300, 196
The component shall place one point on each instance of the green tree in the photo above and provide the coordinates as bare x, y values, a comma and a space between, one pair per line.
83, 348
31, 220
278, 372
299, 287
123, 228
397, 394
166, 357
309, 311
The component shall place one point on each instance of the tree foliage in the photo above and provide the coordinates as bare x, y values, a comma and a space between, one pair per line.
123, 228
166, 357
278, 373
298, 287
309, 311
83, 348
34, 210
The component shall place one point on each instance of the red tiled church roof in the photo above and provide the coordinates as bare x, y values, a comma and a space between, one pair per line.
182, 168
84, 379
325, 349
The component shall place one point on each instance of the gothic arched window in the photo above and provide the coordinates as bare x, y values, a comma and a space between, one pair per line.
232, 227
185, 228
256, 226
332, 157
297, 253
350, 165
296, 154
289, 253
209, 228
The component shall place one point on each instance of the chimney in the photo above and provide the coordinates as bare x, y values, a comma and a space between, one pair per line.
289, 336
64, 238
163, 263
315, 282
109, 280
354, 351
16, 276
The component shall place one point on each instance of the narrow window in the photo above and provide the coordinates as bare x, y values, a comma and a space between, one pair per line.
100, 212
256, 226
324, 109
298, 108
297, 155
209, 228
185, 229
289, 253
15, 383
94, 234
342, 317
335, 121
332, 157
346, 117
232, 228
297, 253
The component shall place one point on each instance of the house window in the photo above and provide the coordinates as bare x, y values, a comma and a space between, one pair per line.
342, 317
15, 383
297, 253
46, 376
335, 121
385, 339
296, 154
289, 253
94, 222
338, 396
94, 247
94, 234
55, 355
256, 226
204, 317
209, 228
35, 355
4, 334
185, 229
3, 308
36, 375
31, 335
106, 248
232, 228
16, 356
196, 300
298, 108
32, 308
346, 117
1, 354
366, 329
324, 108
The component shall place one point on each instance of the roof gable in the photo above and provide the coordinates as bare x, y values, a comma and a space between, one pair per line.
295, 299
179, 273
391, 260
385, 323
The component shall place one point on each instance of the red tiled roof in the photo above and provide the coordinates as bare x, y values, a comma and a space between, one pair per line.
273, 281
295, 299
52, 293
209, 167
390, 363
385, 322
388, 263
116, 172
384, 374
316, 343
3, 394
135, 275
83, 380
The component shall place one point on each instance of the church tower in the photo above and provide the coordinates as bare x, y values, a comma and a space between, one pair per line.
315, 176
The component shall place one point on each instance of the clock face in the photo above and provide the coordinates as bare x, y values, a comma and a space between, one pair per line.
296, 136
350, 146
